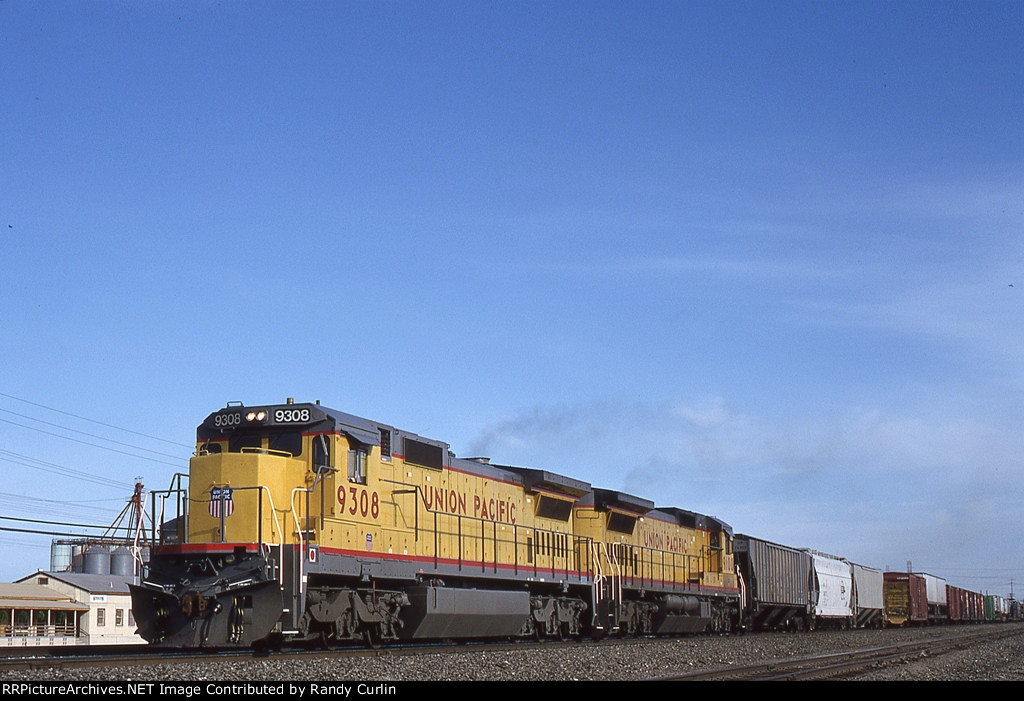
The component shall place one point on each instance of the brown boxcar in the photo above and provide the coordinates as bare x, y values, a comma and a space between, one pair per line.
956, 599
975, 607
906, 599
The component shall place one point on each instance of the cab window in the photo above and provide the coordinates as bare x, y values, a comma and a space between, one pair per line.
321, 451
244, 440
288, 442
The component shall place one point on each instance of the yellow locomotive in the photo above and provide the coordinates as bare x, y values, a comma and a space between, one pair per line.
302, 522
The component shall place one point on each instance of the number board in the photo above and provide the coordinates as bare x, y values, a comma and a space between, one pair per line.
291, 415
236, 417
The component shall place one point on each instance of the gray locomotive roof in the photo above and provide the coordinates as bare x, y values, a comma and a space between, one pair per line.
365, 431
533, 478
604, 498
475, 466
695, 520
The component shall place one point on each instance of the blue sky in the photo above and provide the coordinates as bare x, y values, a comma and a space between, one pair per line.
761, 260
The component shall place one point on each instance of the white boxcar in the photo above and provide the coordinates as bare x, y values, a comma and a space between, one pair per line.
868, 596
938, 609
832, 589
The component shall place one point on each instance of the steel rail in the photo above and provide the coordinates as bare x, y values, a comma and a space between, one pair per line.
837, 664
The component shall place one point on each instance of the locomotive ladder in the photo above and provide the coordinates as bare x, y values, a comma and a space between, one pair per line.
606, 587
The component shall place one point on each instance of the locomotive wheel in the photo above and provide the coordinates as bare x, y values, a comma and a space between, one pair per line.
372, 636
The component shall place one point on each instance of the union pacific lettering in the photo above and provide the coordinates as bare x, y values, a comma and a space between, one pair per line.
447, 500
660, 541
495, 510
452, 502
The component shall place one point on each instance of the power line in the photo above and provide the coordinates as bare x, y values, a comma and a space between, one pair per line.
94, 445
100, 423
84, 433
18, 501
45, 466
63, 523
61, 534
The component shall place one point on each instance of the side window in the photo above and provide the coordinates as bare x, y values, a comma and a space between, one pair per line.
385, 445
321, 450
357, 466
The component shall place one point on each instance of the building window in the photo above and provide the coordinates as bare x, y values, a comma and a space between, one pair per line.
119, 617
101, 617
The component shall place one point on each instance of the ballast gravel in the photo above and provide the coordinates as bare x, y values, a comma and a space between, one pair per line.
618, 661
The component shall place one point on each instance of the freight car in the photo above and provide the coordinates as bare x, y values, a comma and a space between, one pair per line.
935, 589
831, 591
906, 599
868, 596
315, 524
776, 584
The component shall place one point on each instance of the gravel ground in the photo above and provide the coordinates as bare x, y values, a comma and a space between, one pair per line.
1002, 660
626, 660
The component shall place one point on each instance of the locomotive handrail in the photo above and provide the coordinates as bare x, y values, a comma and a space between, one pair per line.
599, 577
266, 451
301, 579
182, 507
273, 512
676, 572
415, 489
459, 533
616, 571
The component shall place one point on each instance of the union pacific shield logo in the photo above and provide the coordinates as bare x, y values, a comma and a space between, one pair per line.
220, 498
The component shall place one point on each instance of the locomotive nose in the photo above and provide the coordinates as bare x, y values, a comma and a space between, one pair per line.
195, 605
153, 612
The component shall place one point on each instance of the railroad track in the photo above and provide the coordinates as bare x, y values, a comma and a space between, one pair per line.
116, 656
839, 664
834, 664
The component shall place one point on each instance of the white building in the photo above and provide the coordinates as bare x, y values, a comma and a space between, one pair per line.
108, 619
33, 616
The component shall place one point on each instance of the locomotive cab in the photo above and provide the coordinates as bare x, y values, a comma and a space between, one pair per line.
229, 578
